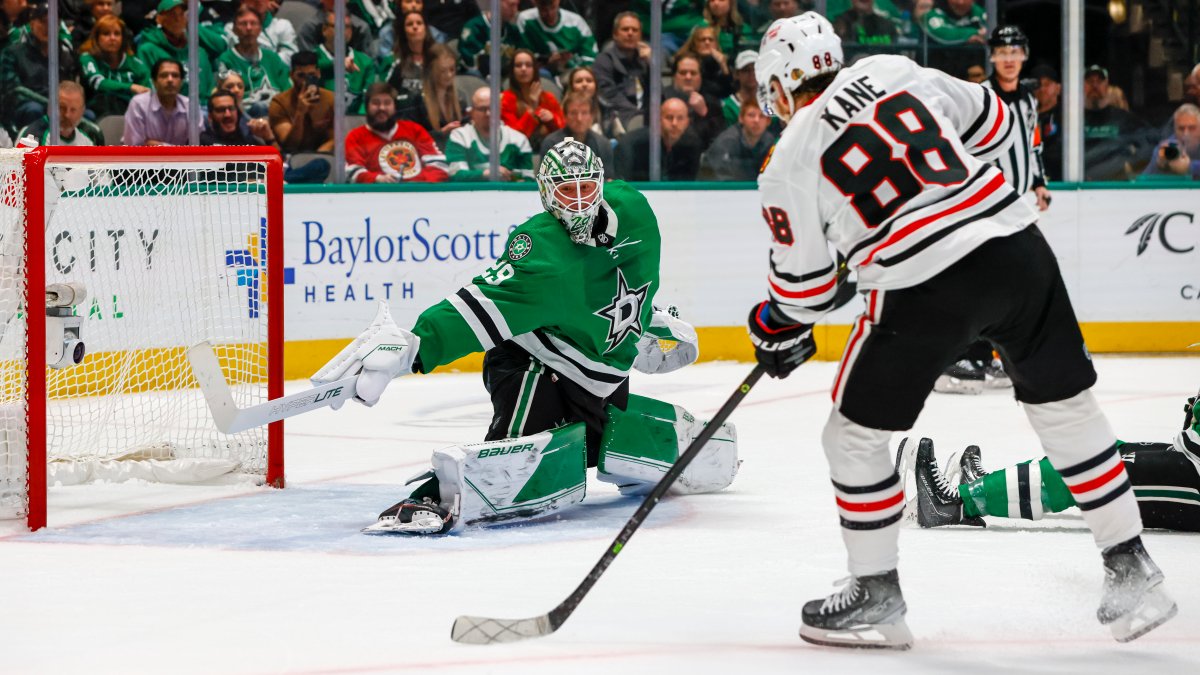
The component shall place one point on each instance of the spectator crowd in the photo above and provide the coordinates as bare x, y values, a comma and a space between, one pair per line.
417, 76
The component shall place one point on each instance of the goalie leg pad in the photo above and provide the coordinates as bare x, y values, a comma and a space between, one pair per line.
513, 478
641, 442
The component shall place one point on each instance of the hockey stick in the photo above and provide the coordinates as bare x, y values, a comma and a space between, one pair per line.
482, 630
231, 419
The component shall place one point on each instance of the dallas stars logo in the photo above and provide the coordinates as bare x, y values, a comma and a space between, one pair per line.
624, 313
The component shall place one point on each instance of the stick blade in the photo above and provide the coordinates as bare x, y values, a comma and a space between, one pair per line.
207, 370
481, 630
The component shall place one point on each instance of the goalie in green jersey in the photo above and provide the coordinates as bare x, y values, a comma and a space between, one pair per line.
562, 317
1164, 477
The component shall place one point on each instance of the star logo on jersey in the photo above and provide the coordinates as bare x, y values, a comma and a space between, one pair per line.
520, 247
624, 313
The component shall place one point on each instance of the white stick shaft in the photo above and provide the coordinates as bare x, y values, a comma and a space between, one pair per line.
231, 419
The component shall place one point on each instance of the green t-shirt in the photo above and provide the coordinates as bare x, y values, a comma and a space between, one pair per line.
577, 308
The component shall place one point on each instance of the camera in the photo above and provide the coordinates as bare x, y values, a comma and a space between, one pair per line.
312, 80
1171, 151
64, 331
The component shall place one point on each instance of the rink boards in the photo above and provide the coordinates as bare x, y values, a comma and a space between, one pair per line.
1129, 257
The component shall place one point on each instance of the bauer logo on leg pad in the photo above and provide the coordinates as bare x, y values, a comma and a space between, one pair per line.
504, 450
518, 478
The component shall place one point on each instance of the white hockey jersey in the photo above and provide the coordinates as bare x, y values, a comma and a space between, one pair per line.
892, 165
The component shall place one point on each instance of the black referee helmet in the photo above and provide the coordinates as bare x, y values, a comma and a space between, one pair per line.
1009, 36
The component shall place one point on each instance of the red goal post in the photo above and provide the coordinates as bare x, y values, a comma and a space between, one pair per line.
207, 225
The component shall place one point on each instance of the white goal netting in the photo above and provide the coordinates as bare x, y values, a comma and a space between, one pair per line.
170, 254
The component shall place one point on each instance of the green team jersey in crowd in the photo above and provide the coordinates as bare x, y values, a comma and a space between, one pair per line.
108, 91
577, 308
264, 77
946, 28
154, 47
572, 34
468, 154
475, 41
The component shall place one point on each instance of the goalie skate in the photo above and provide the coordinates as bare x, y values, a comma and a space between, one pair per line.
412, 516
868, 613
1134, 601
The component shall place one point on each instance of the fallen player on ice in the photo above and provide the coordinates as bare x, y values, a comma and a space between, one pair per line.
1165, 478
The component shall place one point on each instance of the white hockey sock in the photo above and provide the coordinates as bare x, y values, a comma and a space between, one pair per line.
869, 494
1082, 447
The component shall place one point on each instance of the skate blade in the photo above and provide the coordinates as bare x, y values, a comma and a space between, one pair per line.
1156, 609
953, 470
416, 527
894, 636
953, 385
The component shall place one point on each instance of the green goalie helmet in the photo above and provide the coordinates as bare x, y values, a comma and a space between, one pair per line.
571, 182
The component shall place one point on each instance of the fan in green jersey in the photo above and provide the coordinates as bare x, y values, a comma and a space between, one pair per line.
562, 317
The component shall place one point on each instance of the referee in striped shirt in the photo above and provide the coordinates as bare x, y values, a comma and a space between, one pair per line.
1022, 165
978, 368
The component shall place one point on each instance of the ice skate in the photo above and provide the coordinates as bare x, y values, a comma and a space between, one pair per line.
965, 467
413, 516
994, 376
938, 504
963, 377
1134, 601
868, 613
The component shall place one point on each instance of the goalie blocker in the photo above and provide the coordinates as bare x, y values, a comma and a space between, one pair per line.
530, 476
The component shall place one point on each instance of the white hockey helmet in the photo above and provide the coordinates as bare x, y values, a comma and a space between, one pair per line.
571, 182
793, 51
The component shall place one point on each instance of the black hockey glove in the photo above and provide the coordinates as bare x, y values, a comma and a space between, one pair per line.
779, 347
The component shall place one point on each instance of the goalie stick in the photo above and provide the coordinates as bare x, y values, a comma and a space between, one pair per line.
483, 630
231, 419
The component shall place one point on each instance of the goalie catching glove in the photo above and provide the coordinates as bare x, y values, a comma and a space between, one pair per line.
670, 343
780, 347
382, 353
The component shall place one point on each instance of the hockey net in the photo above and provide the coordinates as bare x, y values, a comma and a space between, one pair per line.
173, 246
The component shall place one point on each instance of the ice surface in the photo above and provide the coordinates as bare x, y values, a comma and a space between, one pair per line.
236, 579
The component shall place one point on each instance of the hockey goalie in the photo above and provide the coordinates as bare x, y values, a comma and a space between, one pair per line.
562, 317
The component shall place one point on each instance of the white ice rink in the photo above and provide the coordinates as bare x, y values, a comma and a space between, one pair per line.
251, 580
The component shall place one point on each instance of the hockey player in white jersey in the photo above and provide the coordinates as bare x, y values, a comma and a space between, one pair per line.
890, 164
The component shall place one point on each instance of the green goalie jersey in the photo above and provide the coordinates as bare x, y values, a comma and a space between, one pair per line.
577, 308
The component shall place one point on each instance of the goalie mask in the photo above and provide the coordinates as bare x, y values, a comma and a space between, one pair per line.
571, 182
